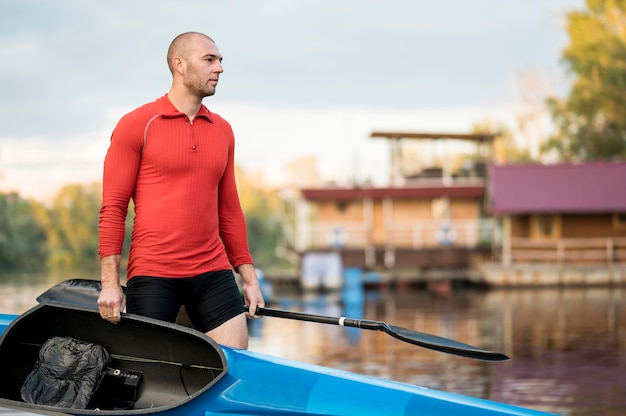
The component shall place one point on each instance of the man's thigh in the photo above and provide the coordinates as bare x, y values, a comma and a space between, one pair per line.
215, 300
233, 333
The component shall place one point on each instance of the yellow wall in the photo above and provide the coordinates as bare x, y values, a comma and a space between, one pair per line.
393, 221
339, 211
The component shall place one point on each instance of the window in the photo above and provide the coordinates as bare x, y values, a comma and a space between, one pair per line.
545, 226
619, 220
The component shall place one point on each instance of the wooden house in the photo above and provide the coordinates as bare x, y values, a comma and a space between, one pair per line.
561, 224
427, 220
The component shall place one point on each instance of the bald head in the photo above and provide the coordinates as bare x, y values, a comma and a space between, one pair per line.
182, 46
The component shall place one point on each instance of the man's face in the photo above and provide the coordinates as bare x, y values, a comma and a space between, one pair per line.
203, 67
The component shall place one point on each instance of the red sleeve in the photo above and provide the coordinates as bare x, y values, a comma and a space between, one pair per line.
231, 219
120, 172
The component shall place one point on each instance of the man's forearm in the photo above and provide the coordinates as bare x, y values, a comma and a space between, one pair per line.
110, 270
247, 272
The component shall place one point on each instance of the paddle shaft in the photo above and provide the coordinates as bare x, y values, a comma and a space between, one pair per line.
301, 316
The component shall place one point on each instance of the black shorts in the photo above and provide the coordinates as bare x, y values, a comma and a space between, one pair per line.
210, 298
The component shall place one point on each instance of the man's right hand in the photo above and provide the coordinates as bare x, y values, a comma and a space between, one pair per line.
111, 303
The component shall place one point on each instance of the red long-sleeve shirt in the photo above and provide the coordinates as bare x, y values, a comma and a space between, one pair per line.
181, 177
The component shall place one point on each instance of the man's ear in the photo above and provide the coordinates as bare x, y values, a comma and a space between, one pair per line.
179, 65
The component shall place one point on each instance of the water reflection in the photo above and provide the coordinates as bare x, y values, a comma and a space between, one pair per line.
568, 347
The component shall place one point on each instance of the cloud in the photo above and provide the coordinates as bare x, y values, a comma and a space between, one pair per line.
300, 77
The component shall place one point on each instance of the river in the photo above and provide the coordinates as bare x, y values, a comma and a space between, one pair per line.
567, 346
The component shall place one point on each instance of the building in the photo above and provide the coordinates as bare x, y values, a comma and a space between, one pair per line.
429, 222
561, 224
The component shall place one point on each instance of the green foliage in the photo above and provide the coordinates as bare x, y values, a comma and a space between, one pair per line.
64, 235
72, 228
261, 207
591, 121
22, 236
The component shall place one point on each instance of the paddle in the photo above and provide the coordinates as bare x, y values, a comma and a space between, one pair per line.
84, 292
421, 339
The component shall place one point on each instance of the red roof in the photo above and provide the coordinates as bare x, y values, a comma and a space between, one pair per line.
598, 187
408, 192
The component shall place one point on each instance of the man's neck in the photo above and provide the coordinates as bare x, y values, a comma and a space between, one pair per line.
185, 103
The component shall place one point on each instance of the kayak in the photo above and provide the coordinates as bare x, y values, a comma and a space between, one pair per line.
168, 369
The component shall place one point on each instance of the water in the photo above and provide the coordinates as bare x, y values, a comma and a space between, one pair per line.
567, 347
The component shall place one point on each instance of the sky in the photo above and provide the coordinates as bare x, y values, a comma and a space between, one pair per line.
301, 78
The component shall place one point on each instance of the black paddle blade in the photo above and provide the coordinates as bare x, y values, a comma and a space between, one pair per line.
73, 292
437, 343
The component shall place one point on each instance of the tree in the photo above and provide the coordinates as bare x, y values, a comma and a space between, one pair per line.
591, 121
72, 228
64, 235
261, 207
22, 236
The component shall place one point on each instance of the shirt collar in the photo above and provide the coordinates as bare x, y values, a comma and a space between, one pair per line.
167, 109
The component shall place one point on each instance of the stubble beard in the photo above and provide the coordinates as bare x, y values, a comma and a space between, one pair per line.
201, 91
200, 87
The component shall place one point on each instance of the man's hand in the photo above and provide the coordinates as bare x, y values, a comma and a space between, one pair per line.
112, 301
251, 290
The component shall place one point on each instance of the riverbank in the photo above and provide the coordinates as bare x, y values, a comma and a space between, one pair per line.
550, 274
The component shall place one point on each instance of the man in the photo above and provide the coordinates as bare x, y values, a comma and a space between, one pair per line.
175, 159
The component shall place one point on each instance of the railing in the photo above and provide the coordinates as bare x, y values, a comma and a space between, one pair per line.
573, 250
401, 234
463, 233
338, 234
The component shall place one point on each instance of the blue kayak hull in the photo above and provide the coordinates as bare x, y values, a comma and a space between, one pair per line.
258, 384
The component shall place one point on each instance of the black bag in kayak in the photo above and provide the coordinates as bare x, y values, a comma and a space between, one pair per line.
66, 374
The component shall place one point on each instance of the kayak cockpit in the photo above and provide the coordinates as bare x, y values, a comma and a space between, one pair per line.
153, 365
